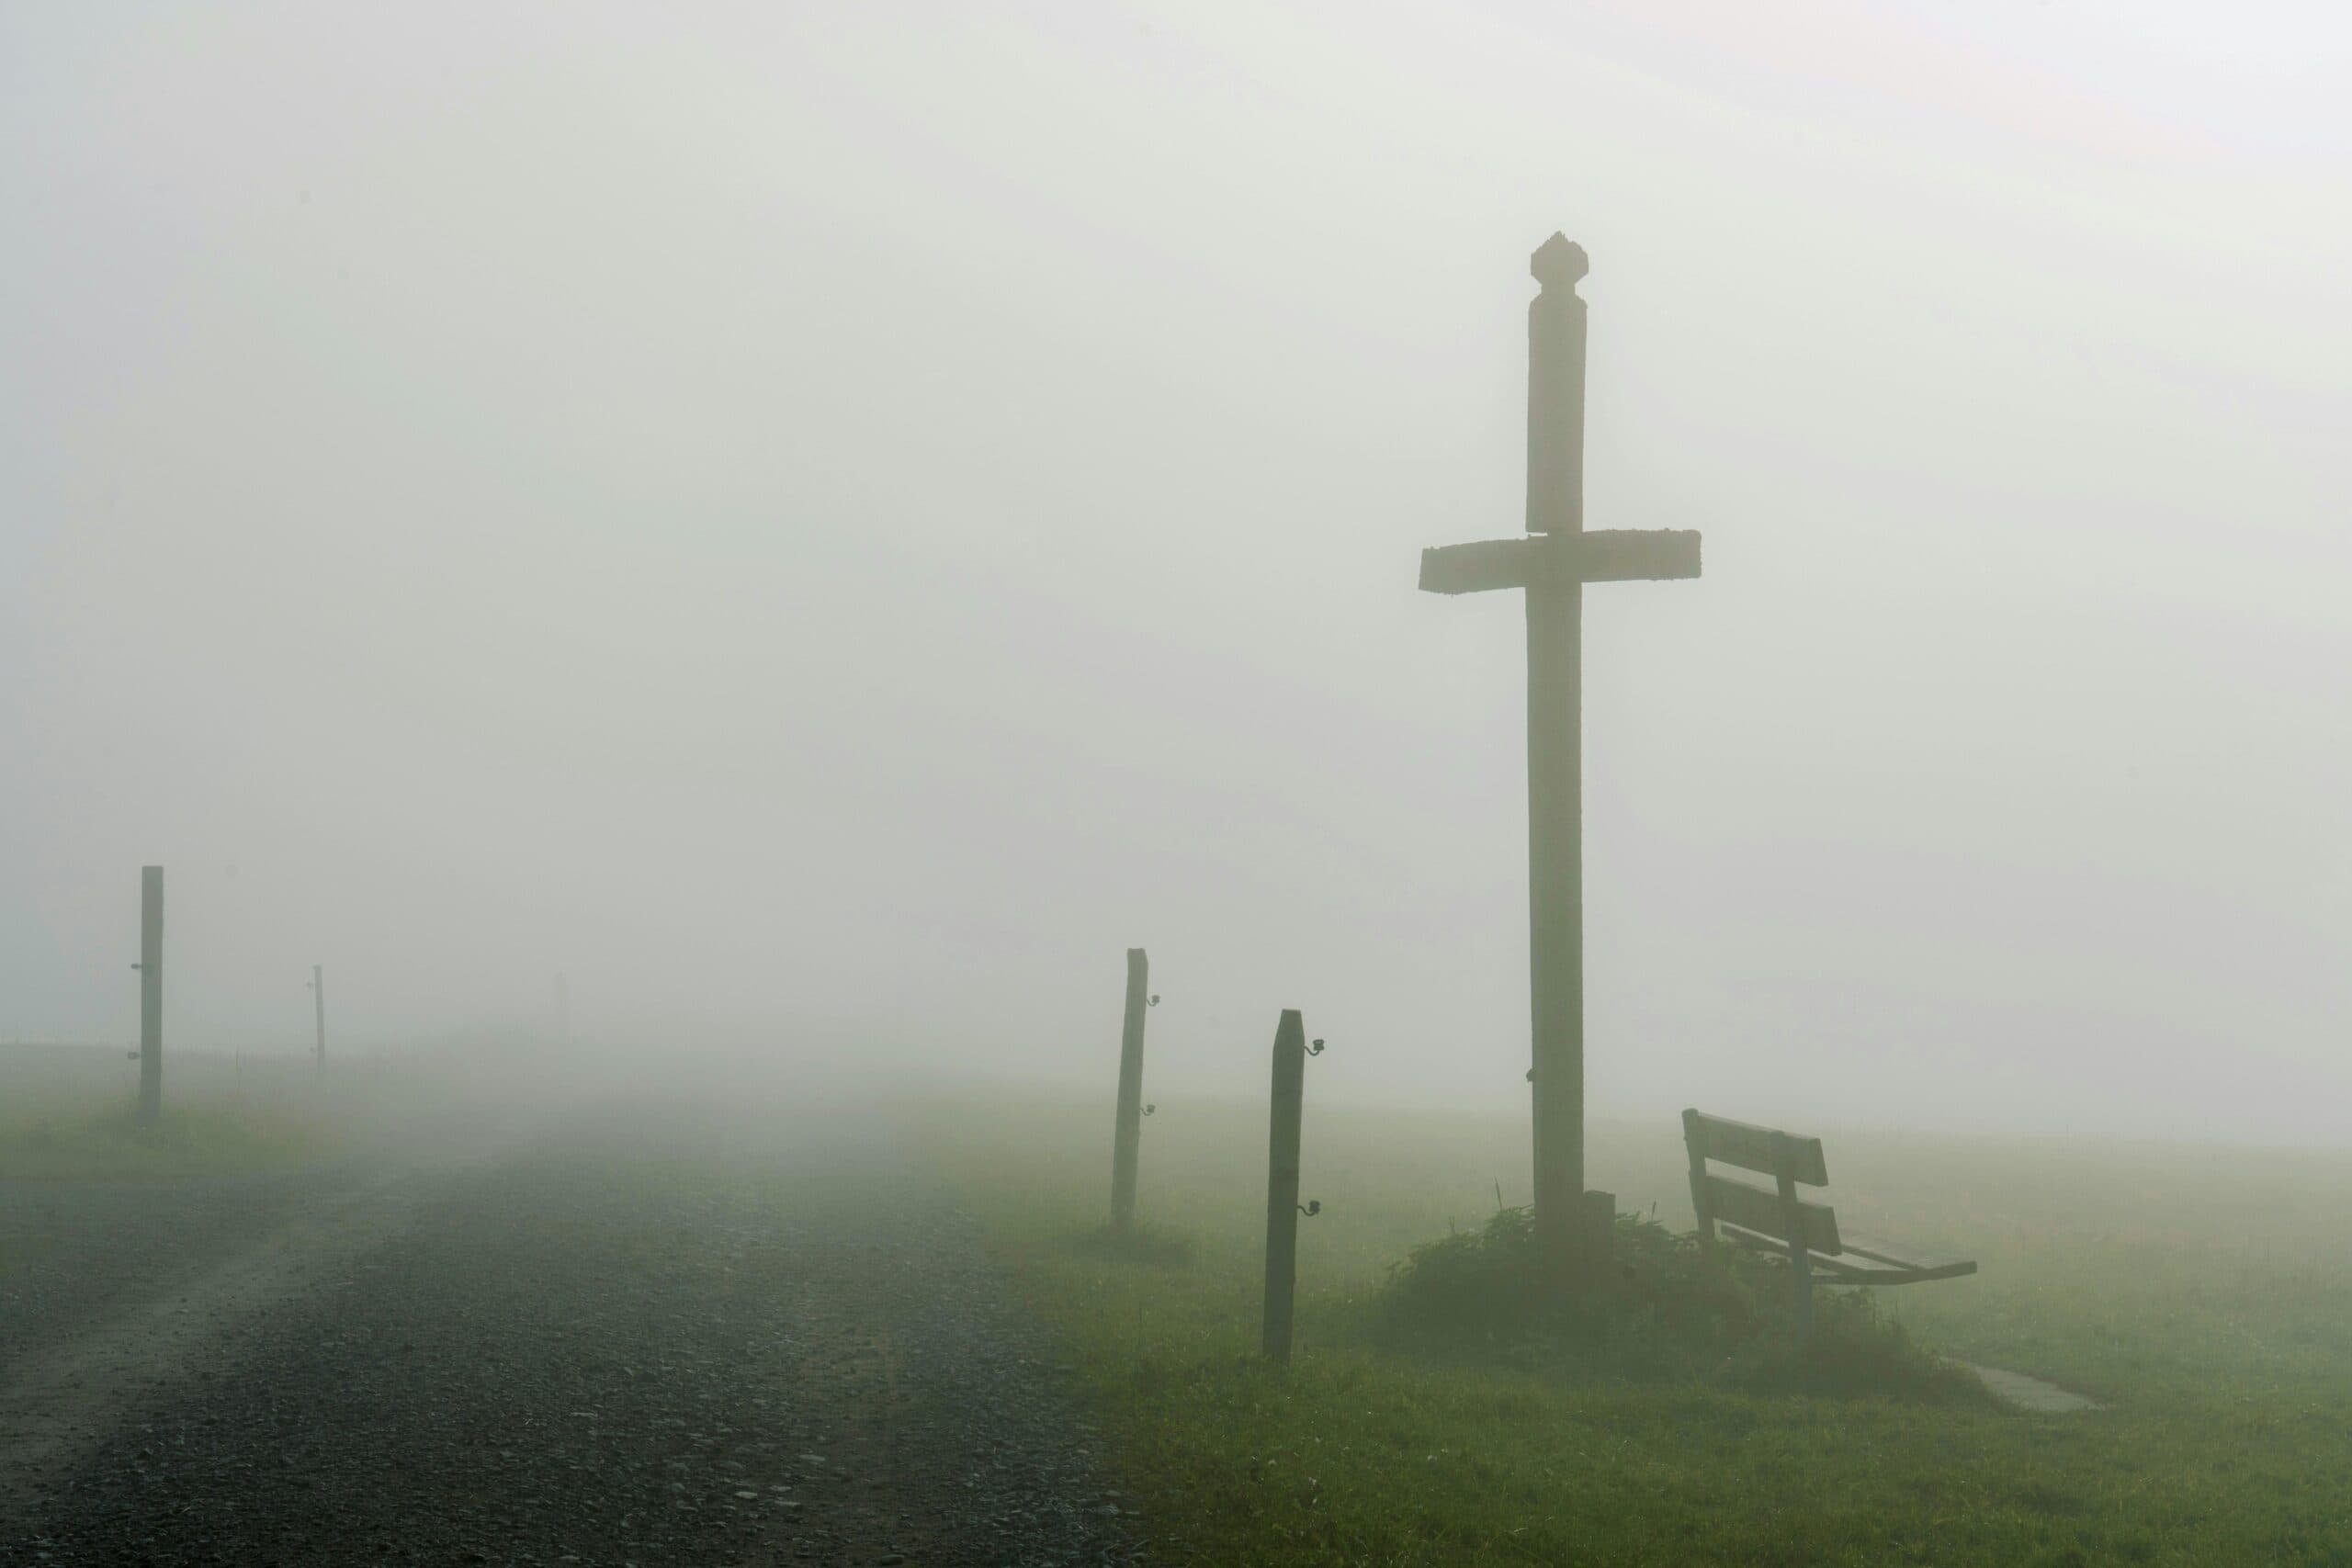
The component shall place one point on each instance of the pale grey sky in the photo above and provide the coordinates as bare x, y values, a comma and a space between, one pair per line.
826, 523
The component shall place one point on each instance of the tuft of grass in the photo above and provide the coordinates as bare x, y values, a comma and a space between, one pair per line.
1667, 1310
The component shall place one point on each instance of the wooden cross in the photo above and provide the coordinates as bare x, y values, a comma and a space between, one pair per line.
1553, 564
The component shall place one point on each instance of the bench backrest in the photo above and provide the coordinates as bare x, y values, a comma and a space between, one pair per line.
1776, 1212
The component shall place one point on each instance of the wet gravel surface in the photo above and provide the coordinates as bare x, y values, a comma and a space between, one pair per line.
72, 1252
684, 1338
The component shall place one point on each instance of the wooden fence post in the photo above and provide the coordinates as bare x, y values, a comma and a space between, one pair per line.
1282, 1182
1128, 1129
151, 994
1599, 1237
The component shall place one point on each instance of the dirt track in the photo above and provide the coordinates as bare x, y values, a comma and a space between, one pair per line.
673, 1337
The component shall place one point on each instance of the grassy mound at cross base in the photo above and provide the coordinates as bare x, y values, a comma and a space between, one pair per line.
1668, 1311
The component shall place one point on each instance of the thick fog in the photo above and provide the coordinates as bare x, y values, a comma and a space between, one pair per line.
824, 523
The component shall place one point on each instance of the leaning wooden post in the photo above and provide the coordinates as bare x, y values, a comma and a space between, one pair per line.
1282, 1181
1128, 1129
151, 994
319, 1004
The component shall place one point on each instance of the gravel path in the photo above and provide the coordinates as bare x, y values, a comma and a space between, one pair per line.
74, 1253
681, 1338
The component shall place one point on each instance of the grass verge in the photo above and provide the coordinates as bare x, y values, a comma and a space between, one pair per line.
2230, 1376
83, 1143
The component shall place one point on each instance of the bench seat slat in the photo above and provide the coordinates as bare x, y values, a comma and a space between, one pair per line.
1927, 1265
1871, 1267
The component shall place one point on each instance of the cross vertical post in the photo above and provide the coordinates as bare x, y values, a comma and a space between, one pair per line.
1555, 359
1553, 563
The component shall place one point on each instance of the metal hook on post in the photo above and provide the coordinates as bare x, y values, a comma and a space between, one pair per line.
1311, 1208
1316, 1049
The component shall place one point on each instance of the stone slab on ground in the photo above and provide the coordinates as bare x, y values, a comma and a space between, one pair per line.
2023, 1392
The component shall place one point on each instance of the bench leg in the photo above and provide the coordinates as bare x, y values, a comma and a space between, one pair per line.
1801, 1277
1792, 1225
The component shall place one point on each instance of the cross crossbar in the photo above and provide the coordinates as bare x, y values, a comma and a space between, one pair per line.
1600, 555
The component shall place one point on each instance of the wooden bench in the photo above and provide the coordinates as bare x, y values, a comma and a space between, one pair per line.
1776, 1220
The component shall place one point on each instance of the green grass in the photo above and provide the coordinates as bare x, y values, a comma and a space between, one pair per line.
2204, 1294
66, 1114
199, 1140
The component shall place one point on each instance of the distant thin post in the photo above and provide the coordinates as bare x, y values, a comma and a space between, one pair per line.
319, 1002
151, 995
1127, 1130
1282, 1181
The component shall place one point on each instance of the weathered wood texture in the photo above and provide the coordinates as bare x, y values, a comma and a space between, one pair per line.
1552, 566
1555, 914
1286, 1105
1480, 567
1798, 1229
1555, 336
1599, 1218
1636, 554
1750, 1147
1868, 1258
1760, 1209
151, 995
1695, 1143
1602, 556
1555, 374
1128, 1125
1882, 1263
1779, 1221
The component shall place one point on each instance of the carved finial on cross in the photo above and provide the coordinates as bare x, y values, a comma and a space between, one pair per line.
1559, 261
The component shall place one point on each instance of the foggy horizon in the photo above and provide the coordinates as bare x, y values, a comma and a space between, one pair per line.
823, 528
